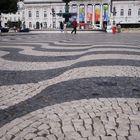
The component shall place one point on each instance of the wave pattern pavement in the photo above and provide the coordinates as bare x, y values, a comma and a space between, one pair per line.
70, 87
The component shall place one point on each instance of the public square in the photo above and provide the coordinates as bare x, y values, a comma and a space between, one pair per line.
61, 86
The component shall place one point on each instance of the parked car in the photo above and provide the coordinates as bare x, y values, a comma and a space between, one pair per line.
4, 30
25, 30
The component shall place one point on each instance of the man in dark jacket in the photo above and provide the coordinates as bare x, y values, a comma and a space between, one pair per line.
61, 26
74, 25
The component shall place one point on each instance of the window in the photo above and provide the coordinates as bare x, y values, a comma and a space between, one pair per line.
139, 12
37, 14
45, 14
122, 12
129, 12
53, 12
45, 24
30, 14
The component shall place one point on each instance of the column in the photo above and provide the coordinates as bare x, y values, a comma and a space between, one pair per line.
101, 16
93, 17
109, 13
78, 13
85, 13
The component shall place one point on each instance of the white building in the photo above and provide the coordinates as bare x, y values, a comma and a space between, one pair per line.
37, 14
18, 16
127, 11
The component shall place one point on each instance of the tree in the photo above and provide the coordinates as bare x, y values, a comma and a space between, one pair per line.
8, 6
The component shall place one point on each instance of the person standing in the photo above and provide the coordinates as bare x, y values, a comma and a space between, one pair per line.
41, 25
74, 25
61, 26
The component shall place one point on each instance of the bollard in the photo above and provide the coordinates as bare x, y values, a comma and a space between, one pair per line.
113, 29
119, 28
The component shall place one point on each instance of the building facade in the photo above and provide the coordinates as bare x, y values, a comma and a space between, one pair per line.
127, 11
18, 16
42, 14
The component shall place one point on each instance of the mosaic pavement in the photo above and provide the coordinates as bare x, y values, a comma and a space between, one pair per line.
70, 87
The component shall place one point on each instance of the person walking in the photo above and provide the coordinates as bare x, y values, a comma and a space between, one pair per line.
61, 26
74, 25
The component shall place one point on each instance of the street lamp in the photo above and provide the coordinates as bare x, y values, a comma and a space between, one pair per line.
114, 14
113, 10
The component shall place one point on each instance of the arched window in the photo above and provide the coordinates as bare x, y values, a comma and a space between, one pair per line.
45, 24
37, 13
37, 25
129, 12
139, 12
45, 14
30, 14
122, 12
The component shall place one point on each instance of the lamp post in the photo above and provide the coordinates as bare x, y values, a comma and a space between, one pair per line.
113, 11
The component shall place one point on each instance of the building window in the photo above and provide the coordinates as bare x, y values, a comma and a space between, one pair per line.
37, 14
122, 12
129, 12
139, 12
45, 14
53, 12
30, 14
45, 24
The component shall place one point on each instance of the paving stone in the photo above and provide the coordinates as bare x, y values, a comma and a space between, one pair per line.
73, 135
43, 127
93, 138
51, 137
108, 138
68, 128
121, 138
86, 133
133, 138
39, 138
122, 132
30, 136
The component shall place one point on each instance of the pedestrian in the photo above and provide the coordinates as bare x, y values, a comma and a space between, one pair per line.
74, 26
14, 28
61, 26
41, 25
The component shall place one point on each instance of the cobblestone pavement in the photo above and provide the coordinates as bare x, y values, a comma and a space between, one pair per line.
70, 87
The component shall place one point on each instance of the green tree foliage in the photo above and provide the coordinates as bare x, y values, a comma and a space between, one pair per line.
66, 1
8, 6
